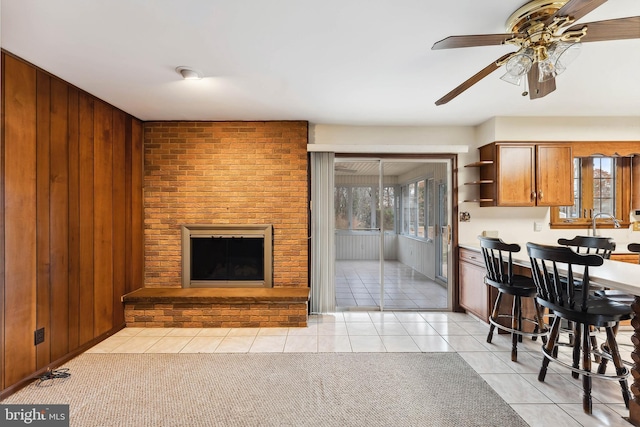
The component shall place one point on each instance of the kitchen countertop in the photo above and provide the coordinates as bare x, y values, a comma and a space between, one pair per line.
622, 250
619, 275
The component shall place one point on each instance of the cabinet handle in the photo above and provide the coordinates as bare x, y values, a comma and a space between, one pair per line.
540, 195
533, 195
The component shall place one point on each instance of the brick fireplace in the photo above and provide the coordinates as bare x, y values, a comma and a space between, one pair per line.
217, 173
235, 256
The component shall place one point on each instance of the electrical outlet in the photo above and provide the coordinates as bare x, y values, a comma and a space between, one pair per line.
538, 226
38, 336
636, 226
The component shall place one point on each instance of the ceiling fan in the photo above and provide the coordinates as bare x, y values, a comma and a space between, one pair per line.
547, 42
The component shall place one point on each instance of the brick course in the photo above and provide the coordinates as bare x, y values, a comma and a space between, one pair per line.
211, 315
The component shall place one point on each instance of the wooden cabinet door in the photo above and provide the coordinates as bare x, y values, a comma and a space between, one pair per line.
474, 295
515, 175
554, 175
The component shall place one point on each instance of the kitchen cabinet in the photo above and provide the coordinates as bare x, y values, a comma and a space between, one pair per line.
475, 296
525, 174
631, 258
478, 298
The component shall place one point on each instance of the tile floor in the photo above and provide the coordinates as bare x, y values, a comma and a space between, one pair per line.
555, 402
358, 285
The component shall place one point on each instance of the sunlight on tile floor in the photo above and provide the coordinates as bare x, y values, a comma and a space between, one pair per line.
557, 401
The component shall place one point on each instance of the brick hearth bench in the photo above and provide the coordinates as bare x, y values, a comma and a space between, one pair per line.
216, 307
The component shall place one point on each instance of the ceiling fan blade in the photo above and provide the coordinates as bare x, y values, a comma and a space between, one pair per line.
473, 80
576, 9
453, 42
612, 29
539, 89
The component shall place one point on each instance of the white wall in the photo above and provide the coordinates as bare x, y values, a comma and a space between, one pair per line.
565, 129
417, 254
392, 135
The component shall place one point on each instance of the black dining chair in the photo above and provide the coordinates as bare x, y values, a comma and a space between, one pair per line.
498, 262
577, 304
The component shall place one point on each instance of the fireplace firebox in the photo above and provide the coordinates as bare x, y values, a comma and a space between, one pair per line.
227, 256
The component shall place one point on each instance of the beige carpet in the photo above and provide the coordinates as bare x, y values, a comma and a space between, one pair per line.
290, 389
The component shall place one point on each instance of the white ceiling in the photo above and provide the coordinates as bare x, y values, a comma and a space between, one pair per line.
351, 62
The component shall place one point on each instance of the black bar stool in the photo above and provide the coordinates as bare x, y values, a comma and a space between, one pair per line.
577, 304
603, 246
623, 298
499, 274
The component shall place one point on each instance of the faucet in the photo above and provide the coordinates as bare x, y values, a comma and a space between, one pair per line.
616, 223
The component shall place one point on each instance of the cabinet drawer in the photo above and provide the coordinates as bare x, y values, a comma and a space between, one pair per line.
471, 256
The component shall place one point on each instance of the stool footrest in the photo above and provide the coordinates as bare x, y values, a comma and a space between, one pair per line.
541, 333
619, 377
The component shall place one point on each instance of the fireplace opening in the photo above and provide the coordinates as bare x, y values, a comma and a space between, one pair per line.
227, 256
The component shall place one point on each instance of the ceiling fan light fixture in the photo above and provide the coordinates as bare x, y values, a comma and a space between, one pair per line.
565, 53
559, 55
510, 78
546, 70
520, 64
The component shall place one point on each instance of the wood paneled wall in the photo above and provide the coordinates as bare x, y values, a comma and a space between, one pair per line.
71, 219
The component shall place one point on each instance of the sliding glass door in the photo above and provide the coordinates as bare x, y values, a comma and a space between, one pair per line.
358, 235
389, 222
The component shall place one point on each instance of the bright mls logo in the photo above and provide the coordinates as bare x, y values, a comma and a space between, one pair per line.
34, 415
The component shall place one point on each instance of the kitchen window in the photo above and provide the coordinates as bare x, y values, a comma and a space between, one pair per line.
600, 185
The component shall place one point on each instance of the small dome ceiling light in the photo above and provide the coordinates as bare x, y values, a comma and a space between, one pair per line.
189, 73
